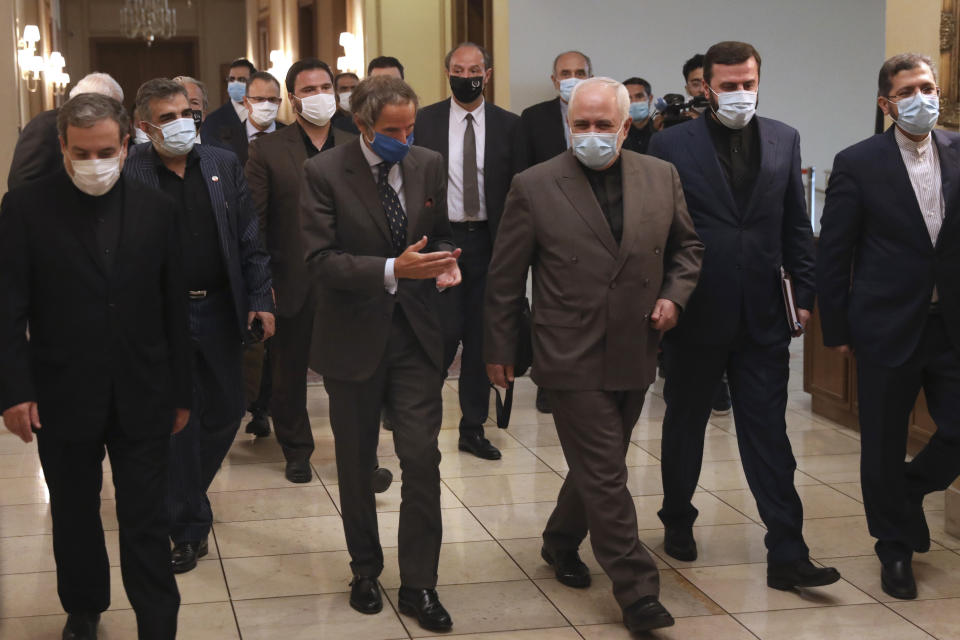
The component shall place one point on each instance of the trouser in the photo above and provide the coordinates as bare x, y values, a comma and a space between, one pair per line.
290, 355
407, 384
257, 377
462, 315
594, 429
893, 490
74, 476
758, 376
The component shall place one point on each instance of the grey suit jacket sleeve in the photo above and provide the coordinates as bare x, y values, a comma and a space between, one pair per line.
325, 259
683, 255
254, 260
37, 153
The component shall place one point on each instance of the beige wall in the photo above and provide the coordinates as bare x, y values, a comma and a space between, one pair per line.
913, 26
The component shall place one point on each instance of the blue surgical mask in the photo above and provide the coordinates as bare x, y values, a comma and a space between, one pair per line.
178, 136
237, 90
566, 87
390, 149
640, 111
595, 150
917, 115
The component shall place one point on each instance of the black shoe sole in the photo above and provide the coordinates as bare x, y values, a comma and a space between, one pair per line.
683, 555
367, 611
655, 622
785, 584
410, 610
574, 583
896, 593
183, 568
297, 478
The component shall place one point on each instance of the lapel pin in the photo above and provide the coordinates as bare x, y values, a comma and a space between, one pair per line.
215, 179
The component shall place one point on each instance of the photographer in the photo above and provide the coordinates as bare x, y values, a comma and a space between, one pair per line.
641, 111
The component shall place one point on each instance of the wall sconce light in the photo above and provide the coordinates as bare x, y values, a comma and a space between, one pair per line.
54, 74
32, 65
352, 60
280, 62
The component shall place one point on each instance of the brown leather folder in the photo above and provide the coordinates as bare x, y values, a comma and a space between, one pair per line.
790, 304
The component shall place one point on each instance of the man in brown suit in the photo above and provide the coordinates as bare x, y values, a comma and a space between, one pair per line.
615, 257
367, 210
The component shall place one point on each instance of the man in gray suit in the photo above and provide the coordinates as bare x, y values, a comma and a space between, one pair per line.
368, 209
616, 257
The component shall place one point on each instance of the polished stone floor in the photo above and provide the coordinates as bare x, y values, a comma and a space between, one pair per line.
278, 566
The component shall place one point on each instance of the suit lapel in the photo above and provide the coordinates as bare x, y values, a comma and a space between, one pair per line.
214, 183
768, 164
635, 184
295, 148
443, 131
576, 188
899, 180
705, 155
361, 180
83, 227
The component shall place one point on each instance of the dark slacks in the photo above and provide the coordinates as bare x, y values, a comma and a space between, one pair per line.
289, 358
257, 378
758, 377
407, 385
594, 429
74, 476
462, 314
197, 452
893, 490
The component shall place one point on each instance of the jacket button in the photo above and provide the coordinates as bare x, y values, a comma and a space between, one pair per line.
646, 282
112, 305
657, 251
573, 259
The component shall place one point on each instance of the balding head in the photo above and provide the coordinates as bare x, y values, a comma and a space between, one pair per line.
600, 94
599, 120
97, 82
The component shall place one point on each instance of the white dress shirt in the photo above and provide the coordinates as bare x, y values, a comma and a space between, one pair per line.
395, 179
240, 109
252, 131
564, 107
458, 127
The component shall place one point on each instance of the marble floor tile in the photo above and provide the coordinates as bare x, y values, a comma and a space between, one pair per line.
312, 617
292, 501
20, 465
25, 520
822, 442
716, 627
518, 488
249, 450
515, 521
937, 574
241, 477
535, 435
326, 470
558, 633
852, 489
526, 553
553, 457
838, 537
389, 500
720, 446
645, 481
939, 618
831, 469
867, 621
716, 545
936, 523
295, 574
273, 537
29, 490
460, 563
712, 511
459, 525
819, 501
517, 460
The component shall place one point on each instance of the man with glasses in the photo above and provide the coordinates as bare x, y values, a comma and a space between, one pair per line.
888, 277
225, 126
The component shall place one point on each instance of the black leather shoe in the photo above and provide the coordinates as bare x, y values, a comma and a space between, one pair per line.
259, 426
185, 555
568, 567
382, 479
543, 405
424, 605
298, 471
799, 574
81, 626
678, 542
646, 614
721, 404
365, 595
896, 578
478, 446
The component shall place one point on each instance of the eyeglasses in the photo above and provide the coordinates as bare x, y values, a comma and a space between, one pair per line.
259, 99
908, 92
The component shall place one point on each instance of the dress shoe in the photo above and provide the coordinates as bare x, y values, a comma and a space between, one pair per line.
424, 605
799, 574
298, 471
259, 426
478, 446
721, 404
543, 404
678, 542
185, 555
568, 567
365, 595
646, 614
382, 479
896, 578
81, 626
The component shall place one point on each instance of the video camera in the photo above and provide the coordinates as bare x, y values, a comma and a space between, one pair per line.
673, 110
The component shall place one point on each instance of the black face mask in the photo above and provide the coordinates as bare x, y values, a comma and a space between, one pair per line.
466, 90
197, 118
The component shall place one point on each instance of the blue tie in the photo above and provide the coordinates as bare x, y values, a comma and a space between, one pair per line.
396, 217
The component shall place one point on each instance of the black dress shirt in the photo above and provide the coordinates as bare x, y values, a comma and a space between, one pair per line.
106, 214
638, 139
312, 148
607, 186
739, 153
202, 258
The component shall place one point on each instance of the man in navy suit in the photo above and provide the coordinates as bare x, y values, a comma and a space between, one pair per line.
227, 277
226, 126
741, 178
890, 221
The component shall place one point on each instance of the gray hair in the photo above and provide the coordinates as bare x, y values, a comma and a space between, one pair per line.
622, 95
487, 58
96, 82
158, 88
87, 109
375, 92
579, 53
184, 80
901, 62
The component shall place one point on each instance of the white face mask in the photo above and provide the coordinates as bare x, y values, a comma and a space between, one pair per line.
140, 136
179, 136
595, 150
318, 108
566, 88
735, 109
97, 176
344, 99
264, 113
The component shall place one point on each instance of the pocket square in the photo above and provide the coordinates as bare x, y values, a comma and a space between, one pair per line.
428, 203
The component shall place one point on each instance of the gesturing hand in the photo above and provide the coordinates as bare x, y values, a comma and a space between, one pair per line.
180, 420
20, 418
413, 265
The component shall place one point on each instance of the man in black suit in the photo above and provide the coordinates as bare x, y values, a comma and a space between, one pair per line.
476, 138
741, 178
890, 220
226, 125
367, 210
641, 112
343, 85
37, 153
227, 278
90, 262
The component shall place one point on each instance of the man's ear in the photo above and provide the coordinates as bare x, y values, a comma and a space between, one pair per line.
63, 145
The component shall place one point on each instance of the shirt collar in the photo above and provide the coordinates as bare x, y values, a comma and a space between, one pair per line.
460, 114
372, 158
252, 130
906, 144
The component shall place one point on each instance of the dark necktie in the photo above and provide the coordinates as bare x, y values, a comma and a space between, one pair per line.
471, 189
396, 217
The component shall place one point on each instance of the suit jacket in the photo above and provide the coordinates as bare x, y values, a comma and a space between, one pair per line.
347, 241
873, 228
274, 172
37, 154
500, 127
740, 281
592, 299
223, 128
246, 261
541, 134
99, 339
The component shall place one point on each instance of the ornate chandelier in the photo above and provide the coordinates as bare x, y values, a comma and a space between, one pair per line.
148, 19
